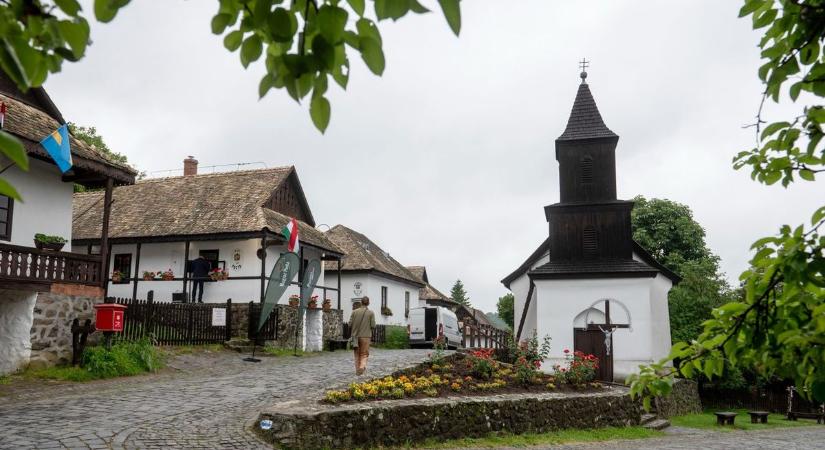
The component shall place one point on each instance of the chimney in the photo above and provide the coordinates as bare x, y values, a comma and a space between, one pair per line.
190, 166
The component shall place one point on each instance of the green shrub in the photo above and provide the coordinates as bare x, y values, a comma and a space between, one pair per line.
396, 337
123, 359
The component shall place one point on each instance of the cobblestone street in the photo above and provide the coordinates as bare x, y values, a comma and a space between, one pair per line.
205, 402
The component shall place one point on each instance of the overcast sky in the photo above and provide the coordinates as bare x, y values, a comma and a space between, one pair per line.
448, 159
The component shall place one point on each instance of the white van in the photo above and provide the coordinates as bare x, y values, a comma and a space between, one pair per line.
427, 323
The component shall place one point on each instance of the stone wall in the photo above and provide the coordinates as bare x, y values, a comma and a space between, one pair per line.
684, 399
308, 425
16, 317
333, 324
51, 330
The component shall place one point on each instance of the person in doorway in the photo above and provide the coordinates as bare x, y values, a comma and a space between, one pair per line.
200, 272
361, 324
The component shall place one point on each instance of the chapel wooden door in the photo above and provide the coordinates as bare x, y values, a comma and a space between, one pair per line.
591, 341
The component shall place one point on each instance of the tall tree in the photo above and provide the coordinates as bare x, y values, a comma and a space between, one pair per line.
669, 232
302, 44
505, 310
776, 328
458, 294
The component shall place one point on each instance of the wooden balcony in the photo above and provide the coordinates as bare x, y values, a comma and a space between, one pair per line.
30, 266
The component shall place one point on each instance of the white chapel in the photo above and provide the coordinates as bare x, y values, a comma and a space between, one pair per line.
589, 286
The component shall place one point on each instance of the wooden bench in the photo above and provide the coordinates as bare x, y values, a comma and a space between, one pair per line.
793, 415
758, 416
336, 344
725, 418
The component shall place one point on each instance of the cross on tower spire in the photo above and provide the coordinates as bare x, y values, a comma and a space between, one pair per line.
584, 64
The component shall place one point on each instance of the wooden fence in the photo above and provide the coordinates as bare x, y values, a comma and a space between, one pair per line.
483, 336
773, 399
175, 323
269, 332
379, 333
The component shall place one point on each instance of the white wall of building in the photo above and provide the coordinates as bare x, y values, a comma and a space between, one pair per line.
16, 318
46, 207
370, 285
520, 287
170, 255
559, 302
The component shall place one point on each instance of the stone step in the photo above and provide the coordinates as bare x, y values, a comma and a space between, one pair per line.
657, 424
647, 418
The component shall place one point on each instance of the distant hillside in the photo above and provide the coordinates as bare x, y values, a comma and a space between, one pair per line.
497, 321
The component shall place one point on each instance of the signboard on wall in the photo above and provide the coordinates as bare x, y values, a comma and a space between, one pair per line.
218, 317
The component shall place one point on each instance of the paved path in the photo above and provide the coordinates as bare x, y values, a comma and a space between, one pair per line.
801, 438
206, 401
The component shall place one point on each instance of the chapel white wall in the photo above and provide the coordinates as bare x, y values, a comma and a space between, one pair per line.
520, 287
46, 207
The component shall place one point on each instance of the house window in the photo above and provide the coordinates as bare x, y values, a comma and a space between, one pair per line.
383, 297
213, 256
6, 209
586, 167
123, 264
590, 242
406, 304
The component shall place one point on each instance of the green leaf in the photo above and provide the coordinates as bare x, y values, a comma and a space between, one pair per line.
324, 52
70, 7
357, 6
76, 35
818, 391
807, 175
372, 54
452, 12
106, 10
251, 50
233, 40
13, 149
8, 190
773, 128
264, 86
331, 21
366, 28
319, 110
750, 6
397, 9
417, 7
219, 22
282, 25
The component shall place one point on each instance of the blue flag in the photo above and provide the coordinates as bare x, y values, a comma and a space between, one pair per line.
57, 144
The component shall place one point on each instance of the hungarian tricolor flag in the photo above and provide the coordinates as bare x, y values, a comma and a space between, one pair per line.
290, 232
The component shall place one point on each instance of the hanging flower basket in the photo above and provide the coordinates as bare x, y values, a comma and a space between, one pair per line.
218, 274
327, 305
117, 276
148, 276
168, 275
313, 302
294, 300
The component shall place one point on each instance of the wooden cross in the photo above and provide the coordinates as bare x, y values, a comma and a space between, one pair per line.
606, 324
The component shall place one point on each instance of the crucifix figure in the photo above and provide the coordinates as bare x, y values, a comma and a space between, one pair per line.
608, 328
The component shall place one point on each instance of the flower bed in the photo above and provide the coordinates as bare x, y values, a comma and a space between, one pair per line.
475, 373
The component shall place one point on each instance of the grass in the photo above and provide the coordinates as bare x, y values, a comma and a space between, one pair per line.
707, 420
277, 351
552, 438
62, 373
396, 338
189, 349
5, 379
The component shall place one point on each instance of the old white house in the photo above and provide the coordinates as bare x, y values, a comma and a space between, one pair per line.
41, 291
367, 270
232, 219
589, 285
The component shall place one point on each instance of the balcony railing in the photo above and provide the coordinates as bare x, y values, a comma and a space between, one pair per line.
27, 264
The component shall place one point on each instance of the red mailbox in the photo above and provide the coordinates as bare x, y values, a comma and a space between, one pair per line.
109, 317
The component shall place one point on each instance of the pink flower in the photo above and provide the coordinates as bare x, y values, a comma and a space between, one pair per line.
566, 350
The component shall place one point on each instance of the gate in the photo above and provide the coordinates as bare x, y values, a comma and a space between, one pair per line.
269, 332
591, 342
176, 323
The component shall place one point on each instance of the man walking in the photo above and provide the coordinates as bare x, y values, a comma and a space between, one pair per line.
361, 324
200, 272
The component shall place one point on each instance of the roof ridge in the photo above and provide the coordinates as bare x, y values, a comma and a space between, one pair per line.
217, 174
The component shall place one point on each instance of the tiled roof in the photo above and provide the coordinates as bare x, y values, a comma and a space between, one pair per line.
229, 202
361, 254
32, 125
428, 292
585, 122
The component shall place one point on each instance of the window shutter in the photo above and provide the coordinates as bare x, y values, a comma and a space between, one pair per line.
590, 242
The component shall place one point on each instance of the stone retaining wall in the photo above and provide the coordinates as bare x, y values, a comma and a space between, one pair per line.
332, 323
51, 330
310, 425
684, 399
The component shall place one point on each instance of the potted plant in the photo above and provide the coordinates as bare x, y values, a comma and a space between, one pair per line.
168, 275
327, 305
218, 274
117, 276
148, 276
385, 310
313, 302
48, 243
294, 300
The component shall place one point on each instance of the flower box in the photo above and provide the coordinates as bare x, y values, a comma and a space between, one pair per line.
294, 300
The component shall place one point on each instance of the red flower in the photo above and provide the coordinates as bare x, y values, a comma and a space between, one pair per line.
566, 350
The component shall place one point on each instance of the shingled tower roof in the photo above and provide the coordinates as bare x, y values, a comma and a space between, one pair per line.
585, 122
